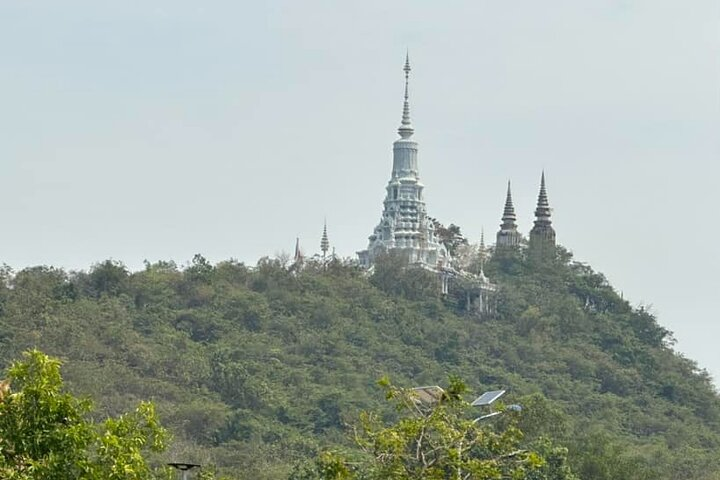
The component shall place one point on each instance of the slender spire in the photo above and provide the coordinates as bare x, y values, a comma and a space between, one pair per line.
324, 242
508, 236
542, 235
542, 212
509, 216
406, 129
298, 253
481, 252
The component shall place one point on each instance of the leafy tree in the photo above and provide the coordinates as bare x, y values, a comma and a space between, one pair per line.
109, 277
438, 440
200, 270
601, 459
450, 236
392, 275
46, 433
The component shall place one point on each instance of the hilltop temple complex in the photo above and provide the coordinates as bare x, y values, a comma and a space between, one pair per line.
406, 229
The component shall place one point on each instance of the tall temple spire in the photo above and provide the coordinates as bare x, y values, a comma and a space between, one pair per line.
542, 235
509, 216
324, 242
543, 207
482, 253
406, 129
404, 225
298, 257
508, 236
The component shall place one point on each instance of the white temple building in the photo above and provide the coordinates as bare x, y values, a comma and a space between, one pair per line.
404, 225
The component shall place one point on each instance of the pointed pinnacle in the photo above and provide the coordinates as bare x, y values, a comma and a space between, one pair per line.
543, 206
324, 242
481, 253
406, 129
298, 253
509, 211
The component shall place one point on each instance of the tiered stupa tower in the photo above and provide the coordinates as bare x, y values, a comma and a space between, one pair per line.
404, 226
324, 241
508, 236
542, 235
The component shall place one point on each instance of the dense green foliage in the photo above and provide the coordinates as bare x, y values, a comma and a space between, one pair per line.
257, 369
450, 236
45, 432
440, 438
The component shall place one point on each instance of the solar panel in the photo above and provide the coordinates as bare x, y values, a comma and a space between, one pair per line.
487, 398
429, 394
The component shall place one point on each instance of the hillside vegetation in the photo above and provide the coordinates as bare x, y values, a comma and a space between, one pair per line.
256, 369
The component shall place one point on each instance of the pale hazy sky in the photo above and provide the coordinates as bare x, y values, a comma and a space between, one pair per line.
155, 130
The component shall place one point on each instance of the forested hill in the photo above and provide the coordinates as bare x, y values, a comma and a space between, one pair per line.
255, 369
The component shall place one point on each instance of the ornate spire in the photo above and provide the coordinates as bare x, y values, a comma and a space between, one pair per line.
542, 212
509, 216
324, 242
405, 226
481, 251
542, 235
406, 129
508, 236
298, 253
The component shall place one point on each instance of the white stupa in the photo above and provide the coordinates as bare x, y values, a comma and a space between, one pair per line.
404, 226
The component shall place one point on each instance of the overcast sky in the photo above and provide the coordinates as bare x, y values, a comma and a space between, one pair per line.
155, 130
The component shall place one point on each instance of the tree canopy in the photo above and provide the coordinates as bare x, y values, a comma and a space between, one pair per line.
439, 439
47, 433
256, 368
